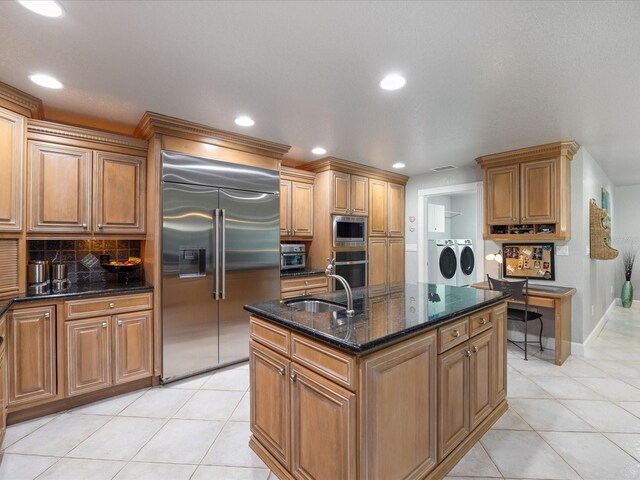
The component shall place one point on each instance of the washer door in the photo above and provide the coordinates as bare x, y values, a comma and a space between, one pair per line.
467, 261
448, 263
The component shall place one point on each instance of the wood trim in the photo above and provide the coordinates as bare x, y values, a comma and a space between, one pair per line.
155, 123
346, 166
566, 148
61, 133
20, 102
296, 175
13, 168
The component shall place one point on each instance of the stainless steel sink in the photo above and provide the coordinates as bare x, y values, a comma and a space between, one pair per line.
316, 306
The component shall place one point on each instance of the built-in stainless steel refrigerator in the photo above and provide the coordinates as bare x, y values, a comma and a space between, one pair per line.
220, 251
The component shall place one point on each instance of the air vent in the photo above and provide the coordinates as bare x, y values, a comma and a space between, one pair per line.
442, 169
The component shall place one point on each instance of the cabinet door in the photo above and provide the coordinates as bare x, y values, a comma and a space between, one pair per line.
88, 355
323, 428
3, 396
132, 346
499, 320
119, 199
31, 349
12, 133
285, 208
302, 209
480, 378
538, 191
359, 198
377, 261
453, 399
59, 188
377, 208
398, 402
395, 209
269, 376
395, 268
501, 195
340, 193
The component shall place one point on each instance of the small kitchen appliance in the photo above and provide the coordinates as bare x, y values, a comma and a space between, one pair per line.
38, 275
292, 256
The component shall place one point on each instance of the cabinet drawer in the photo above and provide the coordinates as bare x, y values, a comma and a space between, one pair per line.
317, 291
480, 321
332, 364
292, 294
270, 335
453, 334
107, 305
303, 283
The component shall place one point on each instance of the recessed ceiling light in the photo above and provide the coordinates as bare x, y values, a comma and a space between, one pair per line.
318, 151
47, 8
393, 81
244, 121
398, 165
46, 81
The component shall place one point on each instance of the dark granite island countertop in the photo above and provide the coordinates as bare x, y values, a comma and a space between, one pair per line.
417, 307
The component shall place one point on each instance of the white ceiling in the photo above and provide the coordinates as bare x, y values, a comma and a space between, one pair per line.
482, 77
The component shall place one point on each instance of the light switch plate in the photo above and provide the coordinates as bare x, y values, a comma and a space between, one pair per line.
562, 250
411, 247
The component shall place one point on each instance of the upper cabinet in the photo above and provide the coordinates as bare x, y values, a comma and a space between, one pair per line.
527, 192
296, 203
12, 138
84, 182
349, 194
386, 209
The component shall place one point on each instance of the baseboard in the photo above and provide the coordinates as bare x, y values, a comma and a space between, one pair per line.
579, 348
635, 303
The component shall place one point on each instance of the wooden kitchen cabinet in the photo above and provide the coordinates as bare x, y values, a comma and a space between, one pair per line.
31, 355
12, 135
378, 204
395, 260
306, 285
481, 364
82, 181
132, 346
386, 261
285, 208
499, 320
3, 377
502, 195
349, 194
296, 203
88, 355
538, 191
395, 210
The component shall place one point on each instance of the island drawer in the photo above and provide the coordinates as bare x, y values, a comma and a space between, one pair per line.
480, 321
328, 362
453, 334
303, 283
269, 335
94, 307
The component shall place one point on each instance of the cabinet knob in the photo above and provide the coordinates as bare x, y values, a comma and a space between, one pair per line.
483, 321
467, 353
293, 377
100, 226
475, 349
47, 315
281, 370
104, 324
456, 333
120, 322
112, 305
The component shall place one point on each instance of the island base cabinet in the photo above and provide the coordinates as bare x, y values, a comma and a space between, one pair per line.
323, 428
481, 378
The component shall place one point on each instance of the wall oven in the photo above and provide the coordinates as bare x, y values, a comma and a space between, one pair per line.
292, 256
349, 231
353, 267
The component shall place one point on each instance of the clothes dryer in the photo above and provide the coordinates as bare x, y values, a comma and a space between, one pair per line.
466, 271
443, 262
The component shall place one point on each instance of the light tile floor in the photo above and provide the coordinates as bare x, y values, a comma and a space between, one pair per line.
580, 420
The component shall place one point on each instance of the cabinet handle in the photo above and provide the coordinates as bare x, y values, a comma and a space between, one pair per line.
467, 353
456, 333
47, 315
112, 305
120, 322
281, 370
104, 324
483, 321
100, 226
294, 377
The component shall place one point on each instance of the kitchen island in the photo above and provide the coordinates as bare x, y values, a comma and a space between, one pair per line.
401, 390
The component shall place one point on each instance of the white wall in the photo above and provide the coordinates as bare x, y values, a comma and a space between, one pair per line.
465, 224
625, 224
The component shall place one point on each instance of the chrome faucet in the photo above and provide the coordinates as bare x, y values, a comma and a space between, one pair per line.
329, 273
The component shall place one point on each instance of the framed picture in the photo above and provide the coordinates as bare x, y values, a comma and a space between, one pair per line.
529, 260
606, 206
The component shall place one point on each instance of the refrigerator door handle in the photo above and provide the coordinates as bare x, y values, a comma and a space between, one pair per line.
216, 254
223, 253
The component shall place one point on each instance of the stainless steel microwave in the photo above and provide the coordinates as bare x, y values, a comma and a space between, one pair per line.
349, 231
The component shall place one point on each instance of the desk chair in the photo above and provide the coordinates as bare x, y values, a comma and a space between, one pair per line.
518, 290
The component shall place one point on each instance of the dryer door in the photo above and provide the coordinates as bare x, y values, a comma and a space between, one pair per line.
448, 263
467, 261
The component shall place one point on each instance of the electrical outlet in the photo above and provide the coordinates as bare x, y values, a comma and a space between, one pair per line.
593, 310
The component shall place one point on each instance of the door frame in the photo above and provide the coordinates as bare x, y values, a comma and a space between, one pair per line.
423, 236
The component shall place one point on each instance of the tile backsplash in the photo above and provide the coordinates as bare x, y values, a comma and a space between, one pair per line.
72, 252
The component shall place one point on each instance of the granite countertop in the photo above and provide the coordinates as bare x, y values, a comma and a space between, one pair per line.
411, 308
79, 290
302, 272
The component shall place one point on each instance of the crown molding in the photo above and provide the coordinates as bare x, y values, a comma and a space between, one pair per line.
289, 173
20, 102
565, 148
157, 124
346, 166
71, 132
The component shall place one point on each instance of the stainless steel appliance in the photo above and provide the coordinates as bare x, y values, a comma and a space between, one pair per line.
38, 275
352, 266
292, 256
59, 278
349, 231
220, 251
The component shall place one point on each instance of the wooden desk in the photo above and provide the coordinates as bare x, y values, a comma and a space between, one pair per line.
559, 299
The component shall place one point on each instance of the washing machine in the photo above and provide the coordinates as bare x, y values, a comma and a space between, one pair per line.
443, 262
466, 271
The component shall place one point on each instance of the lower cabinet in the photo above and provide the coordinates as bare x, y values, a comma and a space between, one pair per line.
386, 261
299, 286
31, 355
